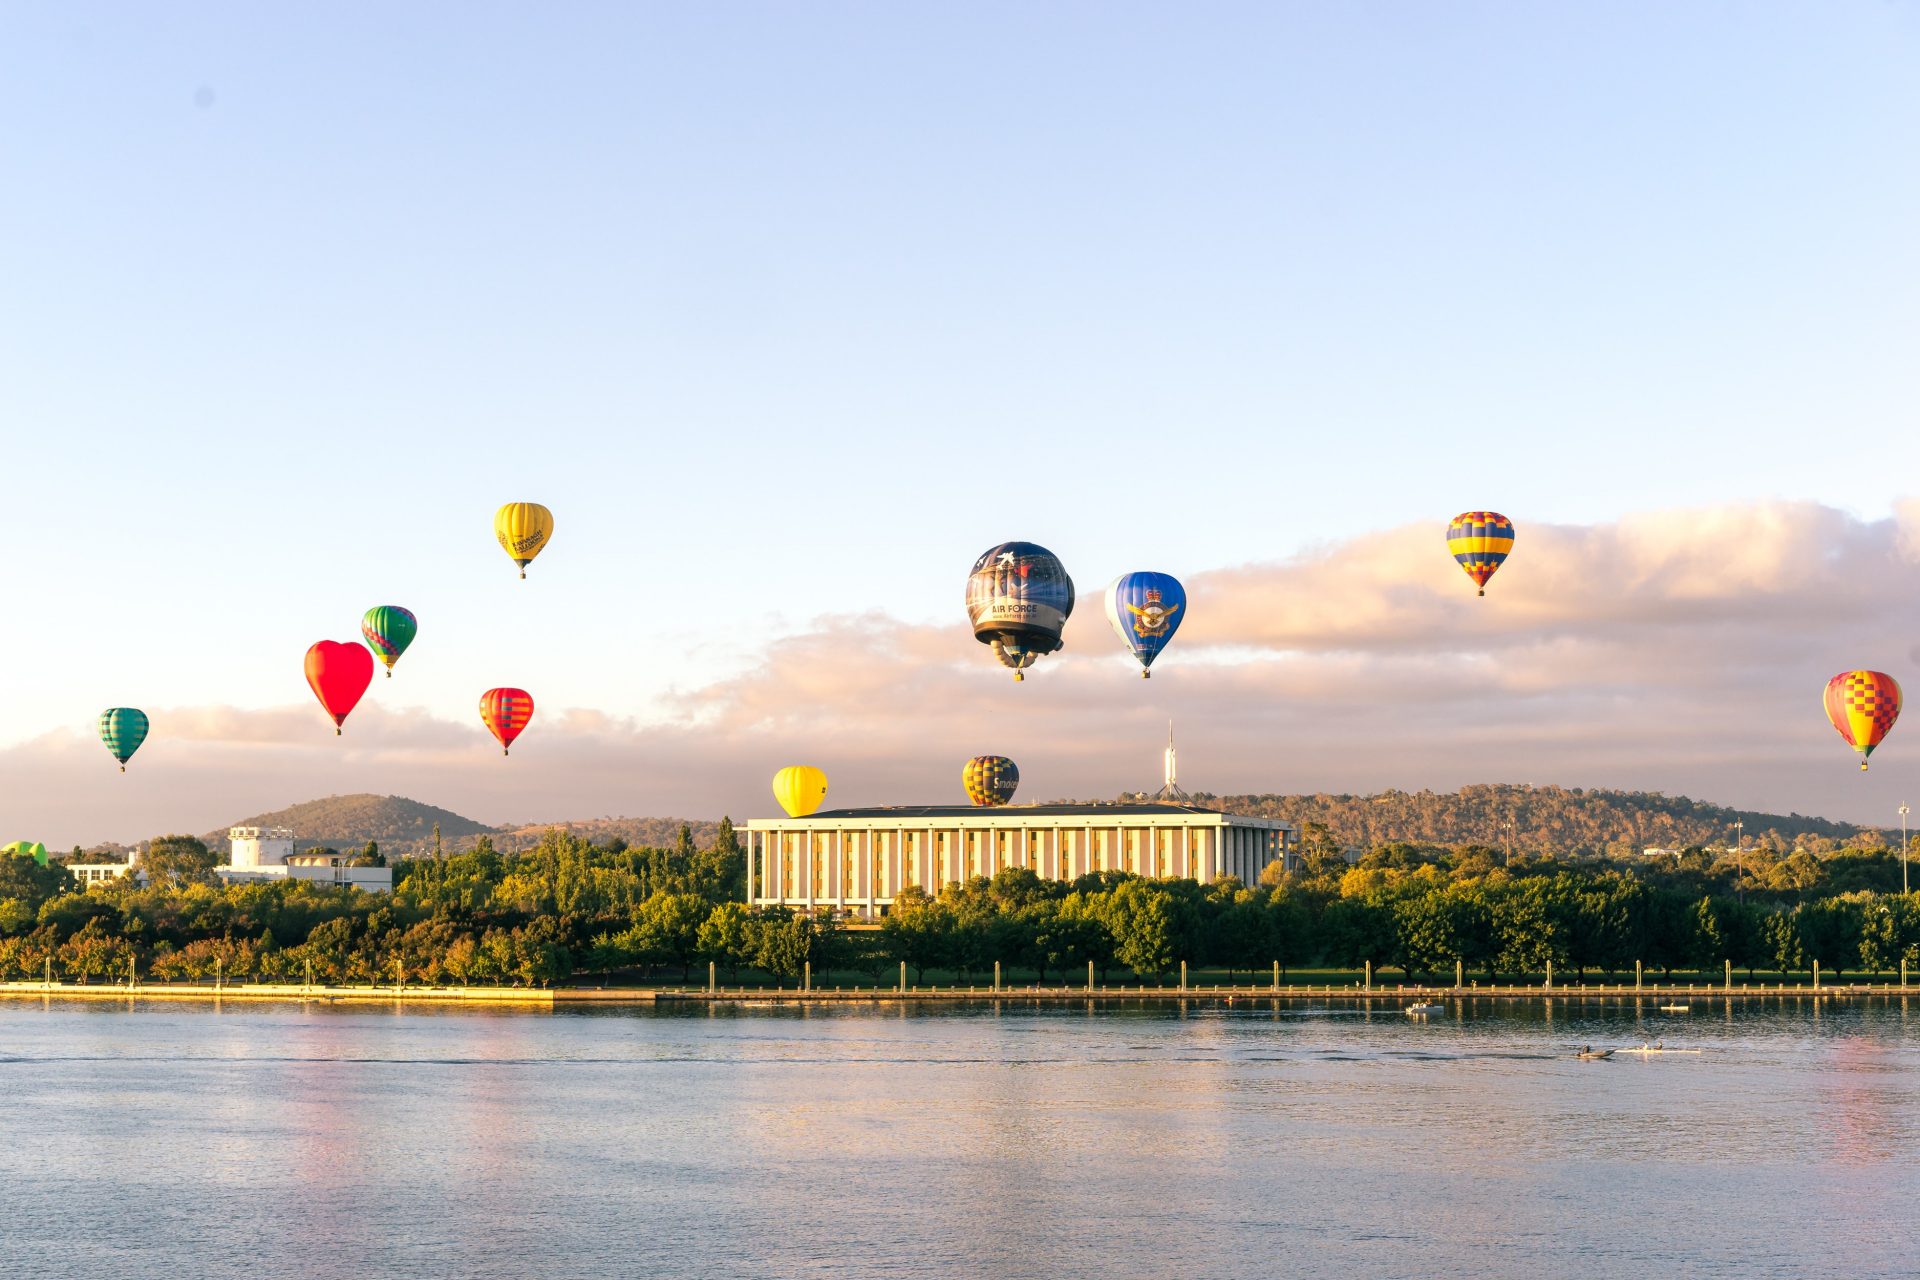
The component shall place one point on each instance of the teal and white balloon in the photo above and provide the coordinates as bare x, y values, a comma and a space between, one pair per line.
123, 729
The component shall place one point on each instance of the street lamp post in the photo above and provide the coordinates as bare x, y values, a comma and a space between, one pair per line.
1903, 846
1508, 827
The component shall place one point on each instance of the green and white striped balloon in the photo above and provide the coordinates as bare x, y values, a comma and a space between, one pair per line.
123, 729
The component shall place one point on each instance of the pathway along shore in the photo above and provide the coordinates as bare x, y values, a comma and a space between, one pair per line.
1386, 998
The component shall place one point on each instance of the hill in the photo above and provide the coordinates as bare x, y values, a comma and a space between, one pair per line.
399, 824
1577, 821
402, 827
654, 833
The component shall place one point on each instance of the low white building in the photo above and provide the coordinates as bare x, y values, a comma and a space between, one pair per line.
92, 873
266, 853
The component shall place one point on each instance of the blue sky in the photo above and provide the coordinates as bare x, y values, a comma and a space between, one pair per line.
789, 311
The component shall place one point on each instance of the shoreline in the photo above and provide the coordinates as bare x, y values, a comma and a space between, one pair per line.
560, 996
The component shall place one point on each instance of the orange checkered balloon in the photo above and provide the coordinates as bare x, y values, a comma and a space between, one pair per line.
1863, 705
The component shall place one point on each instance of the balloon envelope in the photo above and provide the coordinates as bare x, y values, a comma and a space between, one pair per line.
123, 729
27, 849
338, 674
1481, 542
990, 780
799, 788
389, 629
1018, 599
524, 529
505, 712
1862, 705
1145, 609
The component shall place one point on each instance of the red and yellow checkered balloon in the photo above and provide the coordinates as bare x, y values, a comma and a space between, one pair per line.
1863, 705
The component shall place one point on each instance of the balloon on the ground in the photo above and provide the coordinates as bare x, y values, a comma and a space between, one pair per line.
1018, 599
26, 849
799, 788
389, 629
1481, 542
505, 712
524, 529
990, 780
338, 673
123, 729
1863, 706
1145, 609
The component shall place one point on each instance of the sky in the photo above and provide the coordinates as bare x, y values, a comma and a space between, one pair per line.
788, 312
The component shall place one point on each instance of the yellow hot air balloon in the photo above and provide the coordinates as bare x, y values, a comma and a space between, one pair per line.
524, 528
799, 788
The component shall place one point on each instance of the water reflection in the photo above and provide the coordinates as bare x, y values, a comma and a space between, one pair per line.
1000, 1139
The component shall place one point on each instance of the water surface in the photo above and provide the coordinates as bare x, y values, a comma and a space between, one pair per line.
1013, 1141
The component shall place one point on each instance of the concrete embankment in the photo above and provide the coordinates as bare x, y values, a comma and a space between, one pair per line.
1390, 998
1387, 997
330, 995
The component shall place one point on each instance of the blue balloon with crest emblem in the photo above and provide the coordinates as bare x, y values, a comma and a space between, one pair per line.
1145, 609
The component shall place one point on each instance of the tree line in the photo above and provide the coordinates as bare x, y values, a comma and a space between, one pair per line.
571, 907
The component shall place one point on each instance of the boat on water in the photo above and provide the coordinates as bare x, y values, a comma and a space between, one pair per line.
1594, 1055
1422, 1010
1648, 1050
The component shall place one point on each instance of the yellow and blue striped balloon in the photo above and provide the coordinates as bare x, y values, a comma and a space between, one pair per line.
1480, 541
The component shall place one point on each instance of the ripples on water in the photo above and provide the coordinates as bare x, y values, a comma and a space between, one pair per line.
327, 1141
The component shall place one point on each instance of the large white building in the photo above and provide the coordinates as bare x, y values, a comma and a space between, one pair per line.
266, 853
856, 860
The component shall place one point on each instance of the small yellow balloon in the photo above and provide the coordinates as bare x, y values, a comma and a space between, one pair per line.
799, 788
524, 529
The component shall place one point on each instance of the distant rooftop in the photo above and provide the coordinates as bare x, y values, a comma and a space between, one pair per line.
1037, 810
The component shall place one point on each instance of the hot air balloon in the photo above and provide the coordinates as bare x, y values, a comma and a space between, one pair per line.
1862, 706
991, 780
505, 712
799, 788
339, 673
1018, 598
123, 729
1480, 541
524, 529
389, 629
26, 849
1145, 609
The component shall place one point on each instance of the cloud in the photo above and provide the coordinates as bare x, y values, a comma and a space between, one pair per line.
1680, 651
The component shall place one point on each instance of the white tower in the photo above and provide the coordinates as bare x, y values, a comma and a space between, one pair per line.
260, 846
1171, 791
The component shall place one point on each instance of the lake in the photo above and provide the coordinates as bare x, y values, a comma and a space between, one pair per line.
328, 1140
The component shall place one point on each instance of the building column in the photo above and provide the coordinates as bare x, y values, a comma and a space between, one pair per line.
1186, 854
749, 866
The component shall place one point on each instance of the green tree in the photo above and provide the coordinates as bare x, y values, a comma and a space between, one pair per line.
726, 937
919, 931
1140, 915
179, 860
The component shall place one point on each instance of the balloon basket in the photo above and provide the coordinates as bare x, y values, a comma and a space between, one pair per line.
336, 731
1020, 676
123, 768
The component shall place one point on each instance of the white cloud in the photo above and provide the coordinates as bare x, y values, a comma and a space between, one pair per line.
1680, 651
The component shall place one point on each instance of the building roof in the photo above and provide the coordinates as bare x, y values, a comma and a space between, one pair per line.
915, 811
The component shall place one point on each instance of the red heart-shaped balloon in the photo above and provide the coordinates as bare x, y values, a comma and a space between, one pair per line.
339, 674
